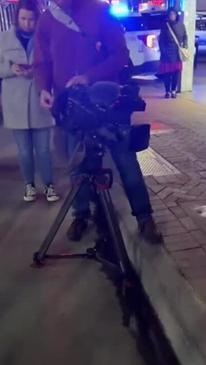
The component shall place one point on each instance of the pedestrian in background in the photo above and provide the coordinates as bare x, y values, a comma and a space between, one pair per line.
170, 60
31, 124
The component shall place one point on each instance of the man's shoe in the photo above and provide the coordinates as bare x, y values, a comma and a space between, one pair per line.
77, 229
149, 231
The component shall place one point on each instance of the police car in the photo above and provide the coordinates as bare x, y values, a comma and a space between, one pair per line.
142, 26
142, 37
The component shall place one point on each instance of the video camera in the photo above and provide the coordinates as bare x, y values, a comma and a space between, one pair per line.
102, 105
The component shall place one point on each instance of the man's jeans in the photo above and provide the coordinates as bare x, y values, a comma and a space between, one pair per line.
34, 140
131, 176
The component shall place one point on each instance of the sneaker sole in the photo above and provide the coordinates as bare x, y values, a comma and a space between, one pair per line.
30, 199
52, 199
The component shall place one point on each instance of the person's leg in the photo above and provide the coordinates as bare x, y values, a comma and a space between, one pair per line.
175, 79
82, 200
136, 191
167, 83
196, 55
81, 204
24, 144
60, 146
133, 181
41, 141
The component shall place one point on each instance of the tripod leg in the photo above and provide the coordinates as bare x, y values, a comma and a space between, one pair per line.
127, 282
39, 256
113, 225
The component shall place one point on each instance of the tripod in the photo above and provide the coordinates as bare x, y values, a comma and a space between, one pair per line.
109, 248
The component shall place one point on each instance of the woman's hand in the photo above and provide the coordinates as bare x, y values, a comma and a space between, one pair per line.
22, 70
17, 69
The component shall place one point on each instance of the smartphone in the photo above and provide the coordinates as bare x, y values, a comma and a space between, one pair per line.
25, 67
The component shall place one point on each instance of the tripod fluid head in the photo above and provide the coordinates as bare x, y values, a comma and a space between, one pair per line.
101, 112
90, 107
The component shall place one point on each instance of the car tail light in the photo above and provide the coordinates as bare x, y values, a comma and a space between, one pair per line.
149, 40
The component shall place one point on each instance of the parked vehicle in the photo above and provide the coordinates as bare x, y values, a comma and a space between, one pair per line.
201, 32
142, 21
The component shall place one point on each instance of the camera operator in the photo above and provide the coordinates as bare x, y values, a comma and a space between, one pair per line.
78, 42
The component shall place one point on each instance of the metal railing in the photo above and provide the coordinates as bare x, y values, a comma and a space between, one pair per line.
7, 13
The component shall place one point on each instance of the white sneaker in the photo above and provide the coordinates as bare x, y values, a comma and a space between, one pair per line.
51, 194
30, 193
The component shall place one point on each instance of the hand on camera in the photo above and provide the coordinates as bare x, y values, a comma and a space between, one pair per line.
46, 99
78, 80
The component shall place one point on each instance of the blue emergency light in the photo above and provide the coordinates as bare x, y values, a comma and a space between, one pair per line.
119, 10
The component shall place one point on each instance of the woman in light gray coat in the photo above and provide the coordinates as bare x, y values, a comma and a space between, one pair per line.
31, 124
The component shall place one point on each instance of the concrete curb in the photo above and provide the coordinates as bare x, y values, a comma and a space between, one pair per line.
181, 313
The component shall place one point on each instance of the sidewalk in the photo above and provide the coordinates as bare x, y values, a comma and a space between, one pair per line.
175, 167
52, 315
174, 277
179, 199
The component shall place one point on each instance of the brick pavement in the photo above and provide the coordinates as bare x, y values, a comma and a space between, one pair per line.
175, 197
